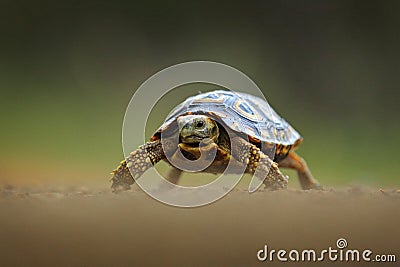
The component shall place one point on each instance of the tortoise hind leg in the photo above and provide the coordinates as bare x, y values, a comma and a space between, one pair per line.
294, 161
136, 164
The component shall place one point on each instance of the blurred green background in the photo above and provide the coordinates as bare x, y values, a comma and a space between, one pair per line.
69, 68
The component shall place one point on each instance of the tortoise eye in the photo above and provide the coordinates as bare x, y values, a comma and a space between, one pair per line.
199, 124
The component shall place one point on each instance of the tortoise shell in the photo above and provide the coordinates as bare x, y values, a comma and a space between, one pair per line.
244, 114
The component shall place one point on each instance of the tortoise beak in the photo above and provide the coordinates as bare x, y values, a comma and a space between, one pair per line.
187, 131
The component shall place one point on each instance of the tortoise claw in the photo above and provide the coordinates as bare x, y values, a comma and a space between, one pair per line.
316, 186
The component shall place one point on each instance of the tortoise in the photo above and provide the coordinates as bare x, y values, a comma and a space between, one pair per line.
238, 125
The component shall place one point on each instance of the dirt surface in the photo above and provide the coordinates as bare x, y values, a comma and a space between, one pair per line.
82, 227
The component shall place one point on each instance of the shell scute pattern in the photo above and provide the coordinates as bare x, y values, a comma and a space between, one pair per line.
241, 112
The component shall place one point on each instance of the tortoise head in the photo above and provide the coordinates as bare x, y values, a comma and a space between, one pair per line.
195, 128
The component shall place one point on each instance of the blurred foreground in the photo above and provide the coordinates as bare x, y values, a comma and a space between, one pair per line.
82, 227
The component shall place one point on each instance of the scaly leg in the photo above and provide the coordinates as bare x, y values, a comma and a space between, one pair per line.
294, 161
258, 164
137, 162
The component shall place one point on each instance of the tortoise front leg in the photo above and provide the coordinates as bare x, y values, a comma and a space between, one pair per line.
137, 162
258, 164
294, 161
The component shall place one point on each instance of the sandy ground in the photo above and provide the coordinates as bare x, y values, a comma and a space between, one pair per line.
82, 227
